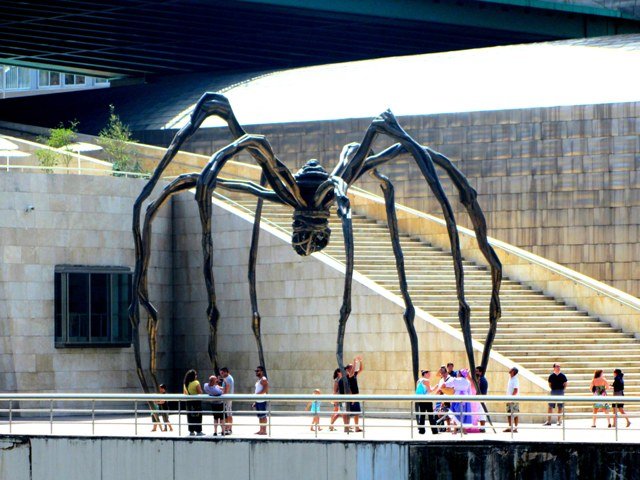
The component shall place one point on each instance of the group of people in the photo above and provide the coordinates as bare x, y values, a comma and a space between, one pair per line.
471, 417
222, 410
346, 410
446, 416
451, 416
598, 387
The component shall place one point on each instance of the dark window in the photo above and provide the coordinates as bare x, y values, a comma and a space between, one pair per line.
91, 306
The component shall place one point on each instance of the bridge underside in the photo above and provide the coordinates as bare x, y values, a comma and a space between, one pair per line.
142, 38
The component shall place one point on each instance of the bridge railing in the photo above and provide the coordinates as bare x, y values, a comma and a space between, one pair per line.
391, 417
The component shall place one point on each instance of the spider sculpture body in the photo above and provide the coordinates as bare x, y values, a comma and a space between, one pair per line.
310, 192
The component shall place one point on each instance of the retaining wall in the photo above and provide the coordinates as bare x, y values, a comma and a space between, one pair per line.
43, 458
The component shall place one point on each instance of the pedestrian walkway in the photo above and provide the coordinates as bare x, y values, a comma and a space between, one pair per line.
297, 428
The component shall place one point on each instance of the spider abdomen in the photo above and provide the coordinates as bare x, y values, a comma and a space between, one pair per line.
311, 231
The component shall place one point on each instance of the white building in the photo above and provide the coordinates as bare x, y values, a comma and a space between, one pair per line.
22, 81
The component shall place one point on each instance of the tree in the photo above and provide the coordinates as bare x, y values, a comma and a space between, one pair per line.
116, 141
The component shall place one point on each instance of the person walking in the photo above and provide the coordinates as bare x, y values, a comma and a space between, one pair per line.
618, 391
262, 388
513, 408
191, 386
228, 388
598, 387
558, 384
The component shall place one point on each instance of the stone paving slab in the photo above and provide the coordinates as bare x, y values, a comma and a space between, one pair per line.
298, 428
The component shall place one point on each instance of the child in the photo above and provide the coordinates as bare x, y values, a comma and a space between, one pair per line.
161, 411
314, 407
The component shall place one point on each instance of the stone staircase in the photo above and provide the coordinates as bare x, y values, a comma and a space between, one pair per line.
535, 330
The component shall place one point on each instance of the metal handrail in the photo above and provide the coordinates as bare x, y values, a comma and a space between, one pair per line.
150, 397
76, 170
145, 413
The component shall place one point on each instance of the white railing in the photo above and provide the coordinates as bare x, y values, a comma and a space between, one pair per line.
79, 170
386, 417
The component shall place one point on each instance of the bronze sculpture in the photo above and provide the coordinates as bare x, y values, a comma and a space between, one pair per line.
310, 192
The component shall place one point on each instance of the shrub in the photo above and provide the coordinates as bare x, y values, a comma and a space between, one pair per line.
58, 137
115, 139
48, 158
61, 136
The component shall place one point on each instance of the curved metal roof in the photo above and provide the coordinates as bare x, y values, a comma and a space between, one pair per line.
140, 38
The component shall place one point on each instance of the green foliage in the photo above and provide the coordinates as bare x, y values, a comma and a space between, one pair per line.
115, 139
48, 158
61, 136
58, 137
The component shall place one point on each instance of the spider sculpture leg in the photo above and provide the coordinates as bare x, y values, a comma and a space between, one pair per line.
409, 312
468, 198
253, 295
208, 105
351, 169
344, 212
181, 183
261, 150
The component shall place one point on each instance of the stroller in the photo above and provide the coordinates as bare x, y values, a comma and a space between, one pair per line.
443, 415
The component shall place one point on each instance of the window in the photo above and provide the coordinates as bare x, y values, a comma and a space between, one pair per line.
16, 78
48, 79
91, 306
70, 79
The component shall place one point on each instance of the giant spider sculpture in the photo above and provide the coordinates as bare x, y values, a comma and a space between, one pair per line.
310, 192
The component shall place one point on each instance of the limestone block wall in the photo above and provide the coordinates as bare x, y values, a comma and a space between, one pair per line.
299, 300
561, 182
77, 220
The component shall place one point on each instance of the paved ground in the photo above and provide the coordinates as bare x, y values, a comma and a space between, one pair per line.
297, 427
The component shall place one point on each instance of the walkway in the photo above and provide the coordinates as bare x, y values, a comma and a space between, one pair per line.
297, 428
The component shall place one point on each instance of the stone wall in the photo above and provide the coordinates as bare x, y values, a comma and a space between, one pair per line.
299, 300
76, 220
80, 220
562, 182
